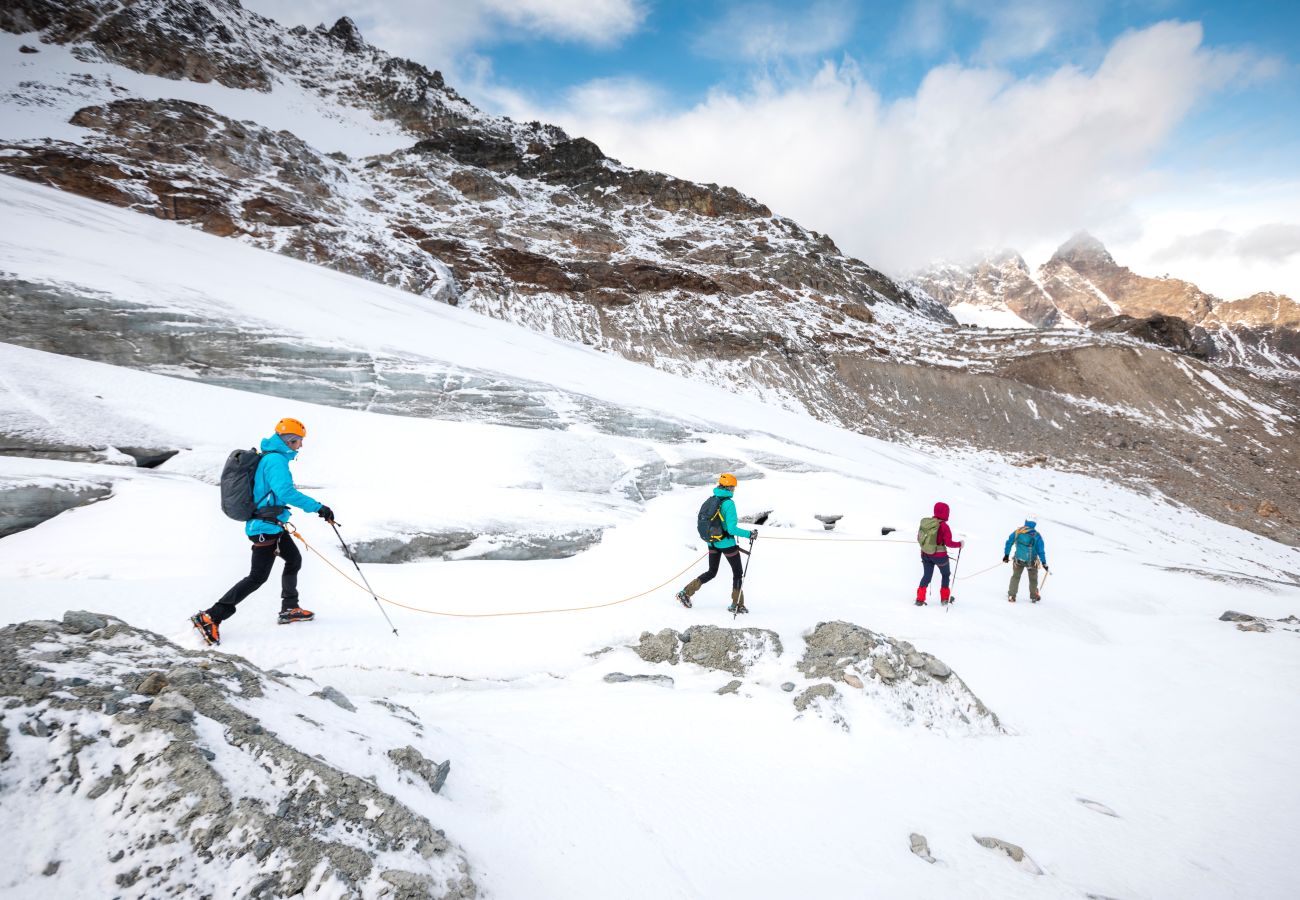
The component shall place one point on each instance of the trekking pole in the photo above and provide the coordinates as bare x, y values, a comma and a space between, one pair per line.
348, 552
955, 566
744, 573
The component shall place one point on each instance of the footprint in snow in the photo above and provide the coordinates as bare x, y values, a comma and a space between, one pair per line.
1098, 807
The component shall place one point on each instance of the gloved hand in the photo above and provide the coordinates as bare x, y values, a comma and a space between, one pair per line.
325, 513
1007, 558
1045, 569
753, 534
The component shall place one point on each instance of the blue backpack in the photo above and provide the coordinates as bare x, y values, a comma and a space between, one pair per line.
1025, 541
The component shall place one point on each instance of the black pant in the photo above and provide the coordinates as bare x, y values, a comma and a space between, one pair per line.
715, 557
264, 552
929, 564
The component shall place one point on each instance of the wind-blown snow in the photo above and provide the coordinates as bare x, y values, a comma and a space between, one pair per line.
1121, 687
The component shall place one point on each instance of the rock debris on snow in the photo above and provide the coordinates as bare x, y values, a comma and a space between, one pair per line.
1014, 851
622, 677
409, 759
335, 696
731, 650
190, 783
920, 846
1098, 807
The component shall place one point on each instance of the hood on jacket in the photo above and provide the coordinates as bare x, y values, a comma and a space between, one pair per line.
722, 492
274, 444
941, 511
1030, 523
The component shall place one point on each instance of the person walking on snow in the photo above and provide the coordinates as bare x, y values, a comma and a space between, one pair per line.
274, 491
719, 528
935, 539
1029, 552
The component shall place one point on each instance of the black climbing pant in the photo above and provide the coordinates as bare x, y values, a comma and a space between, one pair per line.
930, 563
265, 549
715, 557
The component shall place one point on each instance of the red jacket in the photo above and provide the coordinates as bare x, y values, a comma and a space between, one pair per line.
944, 538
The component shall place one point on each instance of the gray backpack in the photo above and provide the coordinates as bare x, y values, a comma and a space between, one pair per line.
237, 487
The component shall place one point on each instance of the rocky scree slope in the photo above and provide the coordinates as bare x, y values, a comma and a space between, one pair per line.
1083, 285
524, 223
172, 771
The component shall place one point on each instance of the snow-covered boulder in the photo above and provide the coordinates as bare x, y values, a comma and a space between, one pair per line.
170, 770
913, 687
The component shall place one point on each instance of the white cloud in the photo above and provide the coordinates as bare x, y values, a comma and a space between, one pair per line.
1021, 29
975, 159
1232, 238
764, 32
443, 33
923, 28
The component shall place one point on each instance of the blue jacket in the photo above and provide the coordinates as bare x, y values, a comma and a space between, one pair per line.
728, 510
273, 486
1038, 551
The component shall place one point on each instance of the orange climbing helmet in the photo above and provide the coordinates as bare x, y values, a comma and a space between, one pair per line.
290, 426
726, 480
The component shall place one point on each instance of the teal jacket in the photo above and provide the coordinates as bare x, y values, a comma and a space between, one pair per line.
273, 486
728, 510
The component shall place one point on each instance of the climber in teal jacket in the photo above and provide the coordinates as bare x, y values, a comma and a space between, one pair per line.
724, 515
273, 486
273, 494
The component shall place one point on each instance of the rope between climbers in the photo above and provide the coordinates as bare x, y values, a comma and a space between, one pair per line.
538, 612
493, 615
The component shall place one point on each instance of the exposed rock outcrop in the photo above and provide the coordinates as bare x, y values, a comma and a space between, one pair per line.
459, 544
732, 650
1164, 331
192, 768
912, 686
27, 502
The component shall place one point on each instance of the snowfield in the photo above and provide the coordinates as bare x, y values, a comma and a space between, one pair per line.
1122, 688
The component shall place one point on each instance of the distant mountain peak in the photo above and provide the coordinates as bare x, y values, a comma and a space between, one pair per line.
1083, 248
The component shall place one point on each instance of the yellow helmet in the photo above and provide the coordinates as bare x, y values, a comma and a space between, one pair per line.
727, 480
290, 426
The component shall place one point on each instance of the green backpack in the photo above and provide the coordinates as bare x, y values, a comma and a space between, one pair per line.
928, 535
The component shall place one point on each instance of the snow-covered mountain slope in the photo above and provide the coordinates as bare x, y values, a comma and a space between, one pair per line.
320, 146
1122, 692
212, 309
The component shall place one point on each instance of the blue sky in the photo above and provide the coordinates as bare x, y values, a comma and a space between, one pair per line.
921, 130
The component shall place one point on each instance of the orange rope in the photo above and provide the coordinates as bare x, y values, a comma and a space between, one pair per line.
538, 612
492, 615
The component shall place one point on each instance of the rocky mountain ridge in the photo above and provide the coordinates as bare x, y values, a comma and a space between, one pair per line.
1082, 285
191, 111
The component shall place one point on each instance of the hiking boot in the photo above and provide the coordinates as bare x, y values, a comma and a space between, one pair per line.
1011, 598
684, 599
920, 603
945, 596
739, 610
737, 602
207, 627
297, 614
1034, 599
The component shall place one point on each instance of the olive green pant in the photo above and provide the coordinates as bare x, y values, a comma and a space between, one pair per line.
1016, 568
